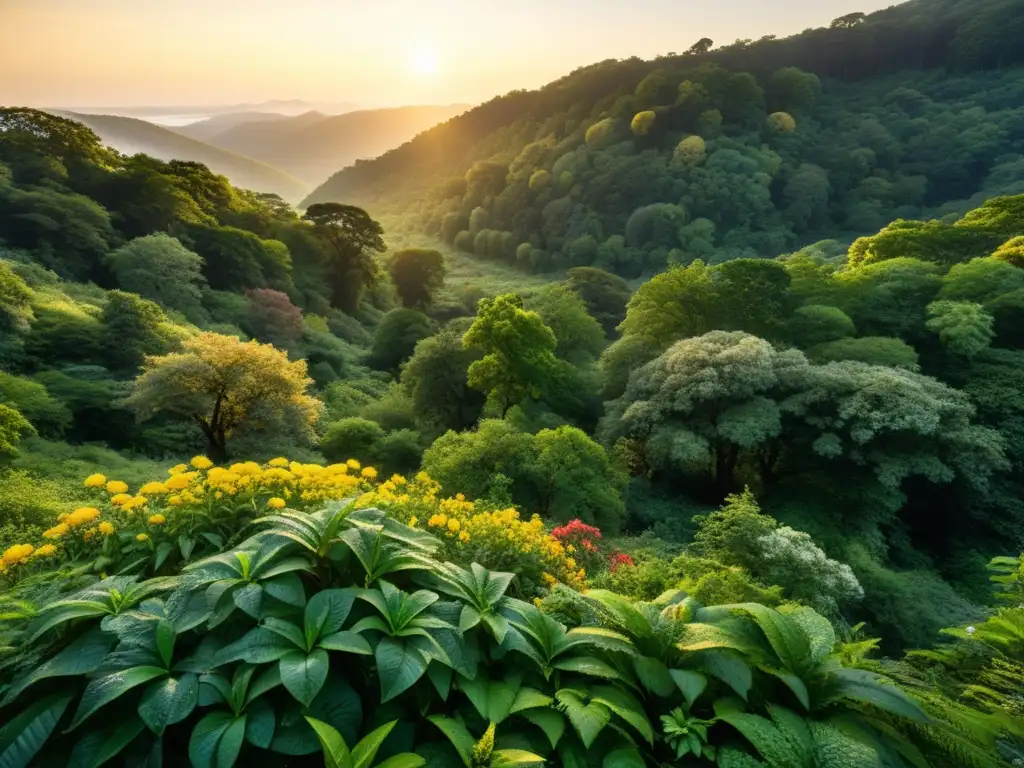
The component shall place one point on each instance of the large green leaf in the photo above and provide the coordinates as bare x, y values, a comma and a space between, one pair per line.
112, 743
23, 736
458, 735
364, 752
347, 642
550, 721
653, 675
257, 646
627, 757
336, 752
784, 635
861, 685
404, 760
727, 667
231, 742
690, 684
287, 588
165, 641
211, 746
493, 699
399, 666
106, 689
304, 675
763, 734
626, 706
169, 701
587, 665
588, 718
326, 612
289, 631
512, 758
62, 612
260, 722
80, 658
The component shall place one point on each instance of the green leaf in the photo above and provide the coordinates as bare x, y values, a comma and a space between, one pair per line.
169, 701
690, 684
165, 641
492, 698
115, 742
795, 684
626, 706
206, 736
250, 599
260, 722
304, 675
550, 721
729, 668
106, 689
861, 685
231, 743
257, 646
627, 757
326, 612
162, 551
287, 588
589, 719
469, 618
458, 735
268, 679
23, 736
288, 631
784, 635
510, 758
766, 738
404, 760
347, 642
64, 612
366, 749
336, 754
529, 698
399, 666
653, 675
498, 626
587, 665
80, 658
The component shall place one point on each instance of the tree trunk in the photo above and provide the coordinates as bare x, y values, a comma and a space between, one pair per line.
216, 449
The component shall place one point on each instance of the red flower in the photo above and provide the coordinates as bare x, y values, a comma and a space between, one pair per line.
619, 559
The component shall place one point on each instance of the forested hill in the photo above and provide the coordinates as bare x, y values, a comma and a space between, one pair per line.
746, 150
131, 136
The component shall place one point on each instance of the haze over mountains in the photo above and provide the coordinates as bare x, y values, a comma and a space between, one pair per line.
287, 154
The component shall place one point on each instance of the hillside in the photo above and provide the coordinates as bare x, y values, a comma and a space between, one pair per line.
311, 146
750, 149
131, 136
202, 130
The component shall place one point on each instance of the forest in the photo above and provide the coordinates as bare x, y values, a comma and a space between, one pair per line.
715, 458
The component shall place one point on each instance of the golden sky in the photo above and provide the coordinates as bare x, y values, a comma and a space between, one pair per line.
374, 52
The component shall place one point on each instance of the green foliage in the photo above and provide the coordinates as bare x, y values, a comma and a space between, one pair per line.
417, 273
436, 380
48, 415
818, 324
353, 237
963, 327
873, 350
13, 428
604, 294
159, 268
396, 338
351, 438
131, 330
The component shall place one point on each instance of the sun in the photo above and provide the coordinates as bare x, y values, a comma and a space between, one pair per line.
423, 61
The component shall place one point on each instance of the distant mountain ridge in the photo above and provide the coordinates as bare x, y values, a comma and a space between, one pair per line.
312, 146
132, 136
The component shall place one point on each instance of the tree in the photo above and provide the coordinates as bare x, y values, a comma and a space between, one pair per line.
604, 294
396, 337
273, 318
817, 324
13, 427
15, 301
578, 335
352, 438
354, 237
643, 122
701, 47
158, 267
963, 327
224, 384
576, 480
673, 305
417, 274
46, 413
1012, 252
518, 353
849, 21
752, 295
873, 350
131, 330
436, 380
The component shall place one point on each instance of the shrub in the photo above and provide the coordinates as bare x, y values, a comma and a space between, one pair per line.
351, 437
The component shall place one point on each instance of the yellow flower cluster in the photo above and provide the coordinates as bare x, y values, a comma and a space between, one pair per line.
495, 538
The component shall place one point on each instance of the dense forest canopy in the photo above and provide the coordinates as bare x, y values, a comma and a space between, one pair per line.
746, 150
732, 489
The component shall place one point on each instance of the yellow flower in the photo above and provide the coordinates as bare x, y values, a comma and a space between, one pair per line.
177, 469
276, 503
17, 553
201, 462
142, 537
353, 464
280, 461
369, 473
454, 525
570, 548
95, 481
117, 486
56, 532
178, 482
174, 501
120, 498
438, 521
157, 519
82, 515
153, 488
106, 528
413, 520
44, 551
463, 536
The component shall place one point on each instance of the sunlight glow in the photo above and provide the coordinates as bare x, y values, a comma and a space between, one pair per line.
423, 61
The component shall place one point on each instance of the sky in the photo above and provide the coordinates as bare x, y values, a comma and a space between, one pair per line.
75, 53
